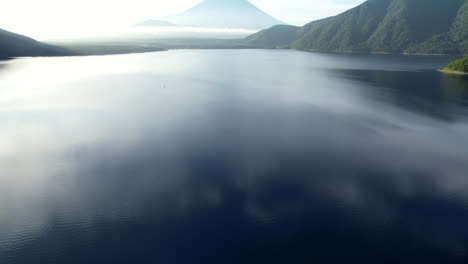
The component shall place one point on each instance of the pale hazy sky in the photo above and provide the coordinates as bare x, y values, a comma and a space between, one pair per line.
45, 18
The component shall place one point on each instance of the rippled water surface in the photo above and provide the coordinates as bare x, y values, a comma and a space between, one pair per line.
233, 156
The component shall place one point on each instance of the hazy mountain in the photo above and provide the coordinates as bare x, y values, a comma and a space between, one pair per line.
225, 14
14, 45
280, 35
275, 36
415, 26
156, 23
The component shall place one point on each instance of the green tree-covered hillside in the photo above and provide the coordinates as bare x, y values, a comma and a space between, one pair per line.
460, 65
399, 26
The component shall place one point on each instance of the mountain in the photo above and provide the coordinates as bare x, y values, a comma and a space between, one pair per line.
156, 23
14, 45
275, 36
225, 14
280, 35
400, 26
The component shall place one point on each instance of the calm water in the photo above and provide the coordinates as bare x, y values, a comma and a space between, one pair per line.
248, 156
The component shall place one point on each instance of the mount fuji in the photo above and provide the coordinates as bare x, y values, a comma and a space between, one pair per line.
240, 14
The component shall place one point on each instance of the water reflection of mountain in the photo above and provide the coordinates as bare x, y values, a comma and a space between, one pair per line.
428, 92
4, 65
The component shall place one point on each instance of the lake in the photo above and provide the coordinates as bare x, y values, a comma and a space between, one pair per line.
233, 156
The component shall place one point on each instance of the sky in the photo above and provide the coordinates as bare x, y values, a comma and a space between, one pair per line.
44, 19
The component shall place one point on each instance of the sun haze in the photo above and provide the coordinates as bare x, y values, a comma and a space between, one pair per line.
51, 18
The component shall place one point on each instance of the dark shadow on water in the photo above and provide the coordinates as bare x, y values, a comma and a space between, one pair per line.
430, 93
461, 80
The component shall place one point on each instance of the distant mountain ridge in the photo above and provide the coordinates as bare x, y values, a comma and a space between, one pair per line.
14, 45
275, 36
225, 14
156, 23
281, 35
397, 26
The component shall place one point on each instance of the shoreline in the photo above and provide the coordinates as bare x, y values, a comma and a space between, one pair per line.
452, 72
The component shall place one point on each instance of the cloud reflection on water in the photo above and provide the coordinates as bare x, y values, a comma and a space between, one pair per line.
217, 161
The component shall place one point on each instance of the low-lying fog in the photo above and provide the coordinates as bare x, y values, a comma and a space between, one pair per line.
144, 32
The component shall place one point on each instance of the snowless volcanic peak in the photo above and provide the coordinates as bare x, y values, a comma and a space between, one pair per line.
225, 14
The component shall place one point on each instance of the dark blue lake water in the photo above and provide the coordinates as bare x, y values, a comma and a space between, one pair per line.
233, 156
